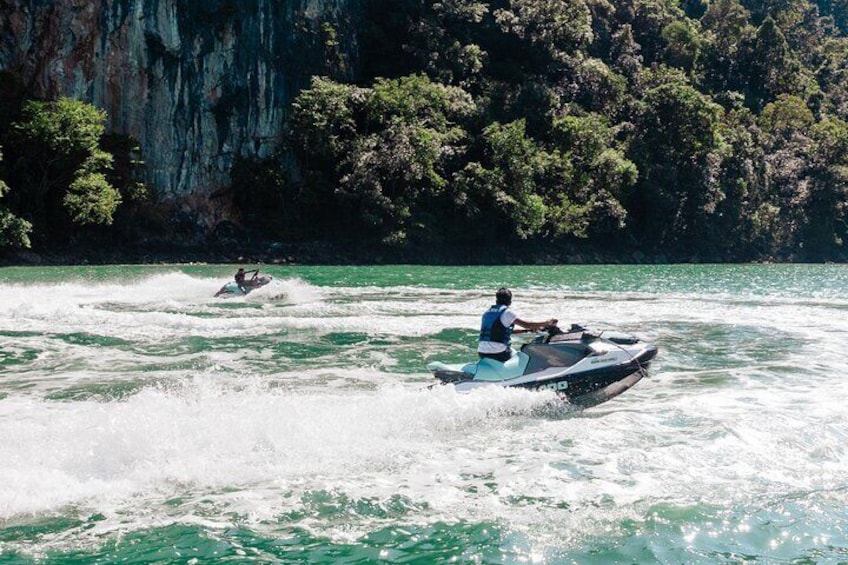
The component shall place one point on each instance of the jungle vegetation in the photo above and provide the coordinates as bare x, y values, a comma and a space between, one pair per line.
707, 130
62, 172
713, 130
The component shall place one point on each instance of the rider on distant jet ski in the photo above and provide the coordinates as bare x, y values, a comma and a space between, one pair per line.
241, 274
497, 325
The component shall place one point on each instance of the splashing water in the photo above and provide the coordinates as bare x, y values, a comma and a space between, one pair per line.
141, 418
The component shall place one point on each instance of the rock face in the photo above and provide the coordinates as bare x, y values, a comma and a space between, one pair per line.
197, 82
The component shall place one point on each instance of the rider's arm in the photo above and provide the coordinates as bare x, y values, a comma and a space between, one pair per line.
535, 326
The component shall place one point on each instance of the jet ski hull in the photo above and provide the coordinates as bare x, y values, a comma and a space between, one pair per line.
595, 386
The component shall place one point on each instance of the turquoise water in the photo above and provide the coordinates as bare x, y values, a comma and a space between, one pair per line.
143, 421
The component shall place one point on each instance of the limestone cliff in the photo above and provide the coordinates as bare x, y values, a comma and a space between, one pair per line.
197, 82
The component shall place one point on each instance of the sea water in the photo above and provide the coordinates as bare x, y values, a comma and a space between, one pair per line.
144, 421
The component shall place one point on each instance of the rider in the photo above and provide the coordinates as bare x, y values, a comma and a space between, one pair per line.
240, 274
497, 326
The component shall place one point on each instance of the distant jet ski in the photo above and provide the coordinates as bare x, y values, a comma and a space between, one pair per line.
586, 367
232, 288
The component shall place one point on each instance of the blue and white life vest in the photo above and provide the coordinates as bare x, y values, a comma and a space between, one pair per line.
491, 327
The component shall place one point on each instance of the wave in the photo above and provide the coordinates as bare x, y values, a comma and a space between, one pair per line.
206, 434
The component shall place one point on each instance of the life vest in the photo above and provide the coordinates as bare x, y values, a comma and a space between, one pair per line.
491, 327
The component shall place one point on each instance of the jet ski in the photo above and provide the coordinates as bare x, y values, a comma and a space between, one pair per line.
232, 288
585, 366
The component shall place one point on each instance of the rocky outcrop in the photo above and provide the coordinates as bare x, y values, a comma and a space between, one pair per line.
197, 82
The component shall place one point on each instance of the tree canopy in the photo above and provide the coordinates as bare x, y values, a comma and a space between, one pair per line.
58, 171
687, 129
14, 231
693, 129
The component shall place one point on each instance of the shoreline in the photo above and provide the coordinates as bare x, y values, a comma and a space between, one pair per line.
328, 253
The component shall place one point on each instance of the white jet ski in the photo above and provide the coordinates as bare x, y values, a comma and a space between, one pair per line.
586, 367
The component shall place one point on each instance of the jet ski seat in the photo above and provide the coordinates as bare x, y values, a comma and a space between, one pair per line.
485, 369
491, 370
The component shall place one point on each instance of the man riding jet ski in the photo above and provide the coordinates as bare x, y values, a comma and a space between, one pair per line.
584, 366
497, 327
241, 285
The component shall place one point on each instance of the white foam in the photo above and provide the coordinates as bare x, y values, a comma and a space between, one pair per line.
352, 423
208, 435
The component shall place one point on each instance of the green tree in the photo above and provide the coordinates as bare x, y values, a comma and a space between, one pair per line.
395, 174
746, 219
838, 10
560, 27
60, 168
323, 121
727, 22
682, 45
598, 88
832, 74
589, 198
419, 99
449, 38
381, 154
691, 123
678, 149
625, 53
772, 67
786, 124
785, 117
502, 190
725, 29
647, 19
323, 131
14, 231
90, 199
827, 206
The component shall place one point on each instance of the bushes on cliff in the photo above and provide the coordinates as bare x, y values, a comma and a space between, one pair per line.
57, 168
826, 226
410, 160
376, 160
680, 152
14, 231
699, 129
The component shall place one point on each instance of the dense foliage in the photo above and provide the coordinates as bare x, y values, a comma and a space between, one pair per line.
680, 128
706, 130
60, 174
14, 231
